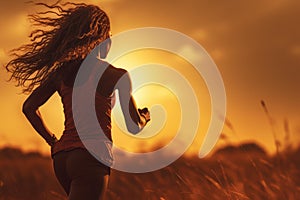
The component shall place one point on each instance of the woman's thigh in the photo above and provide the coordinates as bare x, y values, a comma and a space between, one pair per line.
59, 165
89, 177
81, 175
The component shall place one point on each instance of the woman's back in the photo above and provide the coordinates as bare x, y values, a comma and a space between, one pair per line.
104, 100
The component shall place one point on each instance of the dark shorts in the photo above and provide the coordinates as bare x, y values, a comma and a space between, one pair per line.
80, 174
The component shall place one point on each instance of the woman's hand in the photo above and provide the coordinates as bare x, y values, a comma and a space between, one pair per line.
52, 143
145, 113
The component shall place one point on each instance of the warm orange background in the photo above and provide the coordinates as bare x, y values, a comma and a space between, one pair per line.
255, 44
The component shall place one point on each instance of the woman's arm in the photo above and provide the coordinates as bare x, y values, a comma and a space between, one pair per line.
30, 108
135, 120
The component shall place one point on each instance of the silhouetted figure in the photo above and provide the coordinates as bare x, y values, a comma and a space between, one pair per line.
51, 63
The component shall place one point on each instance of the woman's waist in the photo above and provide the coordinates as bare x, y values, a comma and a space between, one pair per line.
74, 134
87, 124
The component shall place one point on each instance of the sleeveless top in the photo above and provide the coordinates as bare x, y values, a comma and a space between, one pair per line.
86, 135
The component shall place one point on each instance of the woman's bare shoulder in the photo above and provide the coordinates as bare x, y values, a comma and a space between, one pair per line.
116, 71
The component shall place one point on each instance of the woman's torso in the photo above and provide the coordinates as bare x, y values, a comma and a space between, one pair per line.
79, 122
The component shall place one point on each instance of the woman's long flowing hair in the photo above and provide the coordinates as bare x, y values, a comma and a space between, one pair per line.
64, 32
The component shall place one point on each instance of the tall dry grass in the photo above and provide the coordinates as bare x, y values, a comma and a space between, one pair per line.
243, 172
234, 172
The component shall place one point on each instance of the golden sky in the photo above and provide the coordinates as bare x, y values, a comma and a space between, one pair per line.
255, 44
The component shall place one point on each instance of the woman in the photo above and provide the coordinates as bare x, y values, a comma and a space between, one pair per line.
51, 63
